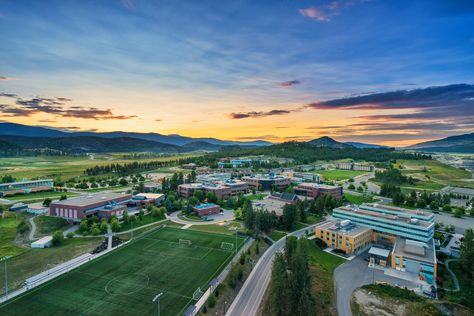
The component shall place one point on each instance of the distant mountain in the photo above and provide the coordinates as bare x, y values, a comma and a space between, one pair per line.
363, 145
86, 144
195, 146
459, 144
326, 141
38, 131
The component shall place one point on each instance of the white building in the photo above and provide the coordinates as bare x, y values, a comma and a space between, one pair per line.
44, 242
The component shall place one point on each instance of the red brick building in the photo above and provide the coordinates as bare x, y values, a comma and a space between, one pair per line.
313, 190
206, 209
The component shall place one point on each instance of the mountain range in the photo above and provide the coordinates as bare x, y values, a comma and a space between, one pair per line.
460, 144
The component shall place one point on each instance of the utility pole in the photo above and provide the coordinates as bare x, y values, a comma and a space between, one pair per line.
4, 259
157, 300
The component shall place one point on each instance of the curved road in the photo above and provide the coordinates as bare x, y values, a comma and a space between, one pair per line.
31, 236
251, 294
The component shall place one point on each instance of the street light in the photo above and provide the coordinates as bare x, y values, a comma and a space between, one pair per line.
4, 259
157, 300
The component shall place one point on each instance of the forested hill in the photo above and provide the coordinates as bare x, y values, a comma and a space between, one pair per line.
306, 153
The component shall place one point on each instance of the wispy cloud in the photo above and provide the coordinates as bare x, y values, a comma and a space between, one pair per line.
129, 4
3, 78
57, 106
287, 84
255, 114
325, 12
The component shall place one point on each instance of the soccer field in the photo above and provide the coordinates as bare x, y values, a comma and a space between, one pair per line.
125, 281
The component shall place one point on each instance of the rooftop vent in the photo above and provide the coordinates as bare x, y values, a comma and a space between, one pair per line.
414, 221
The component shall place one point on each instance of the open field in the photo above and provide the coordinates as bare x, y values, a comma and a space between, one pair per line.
64, 167
434, 175
34, 261
337, 175
125, 281
39, 196
357, 199
46, 225
8, 233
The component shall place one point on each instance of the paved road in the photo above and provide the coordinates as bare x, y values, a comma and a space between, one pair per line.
352, 275
31, 236
251, 294
217, 218
460, 224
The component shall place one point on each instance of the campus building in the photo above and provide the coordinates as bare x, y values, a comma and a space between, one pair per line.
389, 222
187, 190
267, 181
235, 163
345, 236
307, 177
206, 209
23, 187
314, 190
102, 205
355, 166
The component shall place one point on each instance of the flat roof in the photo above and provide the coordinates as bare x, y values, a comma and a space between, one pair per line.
390, 217
26, 182
415, 250
206, 205
379, 252
43, 240
389, 208
350, 230
150, 195
317, 185
91, 199
266, 177
271, 205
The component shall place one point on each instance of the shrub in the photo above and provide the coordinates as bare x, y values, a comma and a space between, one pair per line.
70, 235
211, 301
58, 238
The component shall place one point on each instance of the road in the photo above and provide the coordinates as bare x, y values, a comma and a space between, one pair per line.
31, 236
352, 275
250, 297
460, 224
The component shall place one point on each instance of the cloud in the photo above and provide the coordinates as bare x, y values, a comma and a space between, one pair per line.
129, 4
3, 78
254, 114
8, 95
58, 107
325, 12
287, 84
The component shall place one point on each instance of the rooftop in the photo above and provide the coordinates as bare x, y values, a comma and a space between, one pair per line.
271, 205
26, 182
265, 177
398, 210
415, 250
344, 227
317, 185
86, 200
206, 205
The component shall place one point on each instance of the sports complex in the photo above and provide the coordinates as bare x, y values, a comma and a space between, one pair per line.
180, 263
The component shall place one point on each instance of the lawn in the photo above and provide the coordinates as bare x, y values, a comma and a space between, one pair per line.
322, 266
337, 175
125, 281
46, 225
220, 229
39, 196
8, 234
34, 261
434, 175
277, 235
357, 199
146, 219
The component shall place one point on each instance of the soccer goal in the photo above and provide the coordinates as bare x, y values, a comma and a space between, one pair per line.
227, 246
185, 242
197, 294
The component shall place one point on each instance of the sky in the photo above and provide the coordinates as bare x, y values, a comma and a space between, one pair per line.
375, 71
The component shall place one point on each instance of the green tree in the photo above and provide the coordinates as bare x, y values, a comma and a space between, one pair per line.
58, 238
467, 254
47, 202
125, 217
95, 229
115, 225
103, 226
83, 226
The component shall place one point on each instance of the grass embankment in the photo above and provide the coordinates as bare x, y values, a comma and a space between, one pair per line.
322, 266
34, 261
357, 199
146, 219
466, 295
39, 196
277, 235
8, 234
337, 175
46, 225
433, 175
228, 229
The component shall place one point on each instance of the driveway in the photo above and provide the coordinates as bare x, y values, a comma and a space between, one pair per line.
226, 216
460, 224
352, 275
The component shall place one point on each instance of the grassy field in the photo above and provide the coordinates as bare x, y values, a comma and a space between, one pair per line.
357, 199
39, 196
220, 229
8, 234
277, 235
125, 281
34, 261
434, 175
46, 225
337, 175
322, 266
64, 167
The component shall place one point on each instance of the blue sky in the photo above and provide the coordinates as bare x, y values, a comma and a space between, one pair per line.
199, 68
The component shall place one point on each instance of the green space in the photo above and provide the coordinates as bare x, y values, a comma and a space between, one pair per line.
357, 199
114, 188
220, 229
190, 217
277, 235
313, 219
8, 233
46, 225
337, 175
434, 175
257, 196
125, 281
146, 219
33, 261
39, 196
466, 295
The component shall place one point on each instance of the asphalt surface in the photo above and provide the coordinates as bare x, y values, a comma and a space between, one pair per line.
355, 273
250, 297
460, 224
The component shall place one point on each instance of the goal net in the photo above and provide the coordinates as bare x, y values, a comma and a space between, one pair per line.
227, 246
197, 294
185, 242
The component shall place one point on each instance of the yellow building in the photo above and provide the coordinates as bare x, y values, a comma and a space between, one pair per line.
345, 235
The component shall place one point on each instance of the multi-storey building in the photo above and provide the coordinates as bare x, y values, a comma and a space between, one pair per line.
355, 166
102, 205
314, 190
390, 222
206, 209
22, 187
267, 182
415, 257
236, 186
345, 235
307, 177
187, 190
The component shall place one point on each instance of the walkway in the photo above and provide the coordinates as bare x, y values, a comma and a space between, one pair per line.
453, 276
32, 233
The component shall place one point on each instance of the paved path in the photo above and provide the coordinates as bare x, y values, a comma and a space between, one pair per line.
353, 274
32, 233
455, 279
109, 236
251, 294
